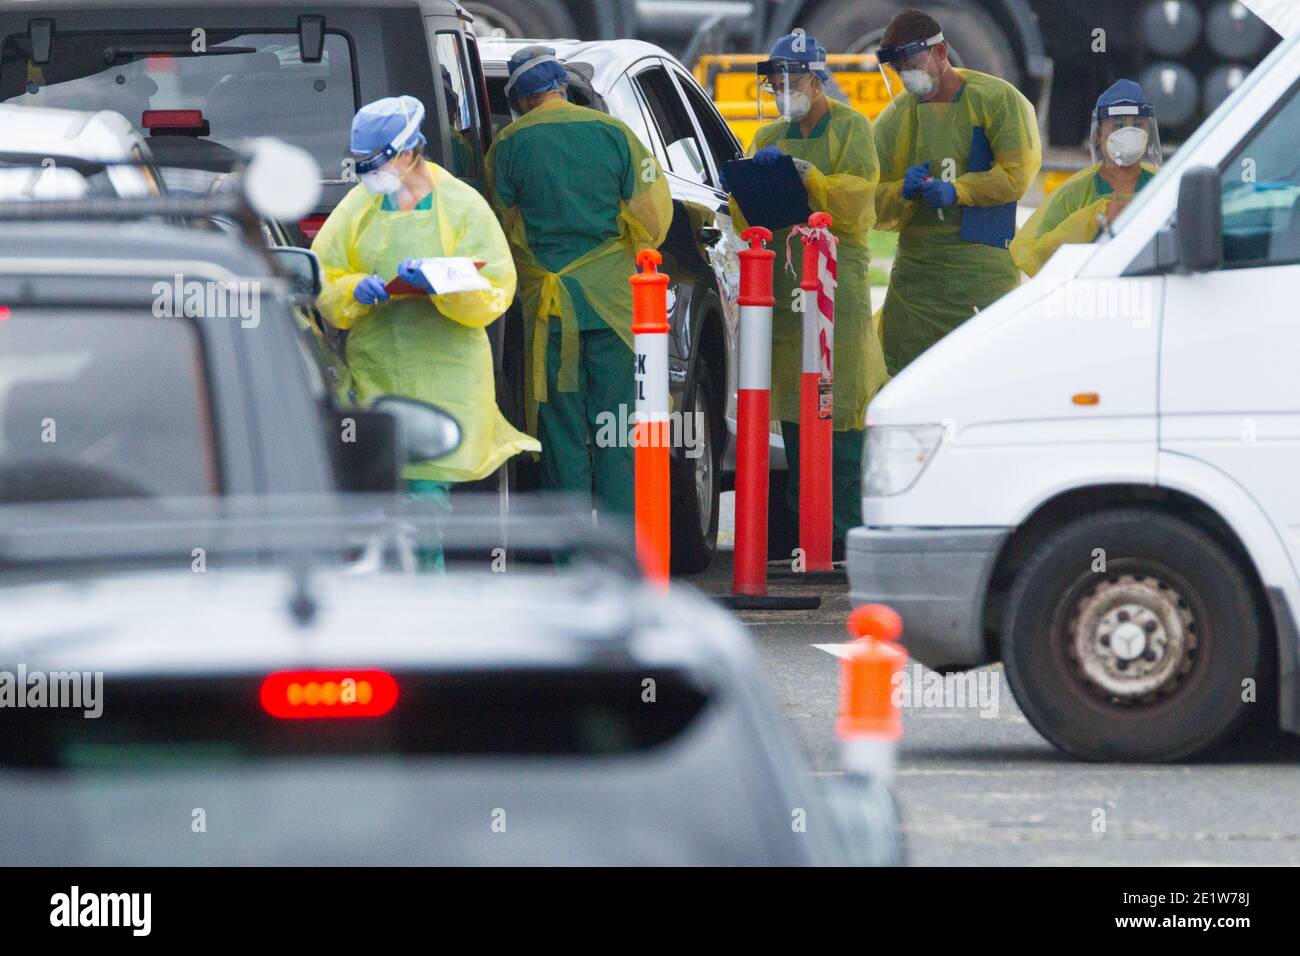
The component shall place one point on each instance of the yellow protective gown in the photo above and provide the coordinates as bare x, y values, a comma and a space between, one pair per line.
940, 280
1068, 216
602, 273
433, 348
842, 182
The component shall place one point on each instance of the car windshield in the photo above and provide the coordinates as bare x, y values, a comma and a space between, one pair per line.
230, 85
80, 415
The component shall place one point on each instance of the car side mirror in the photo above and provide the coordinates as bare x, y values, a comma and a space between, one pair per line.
365, 449
302, 269
425, 432
1199, 224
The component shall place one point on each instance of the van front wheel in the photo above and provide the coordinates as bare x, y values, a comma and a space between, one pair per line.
1132, 635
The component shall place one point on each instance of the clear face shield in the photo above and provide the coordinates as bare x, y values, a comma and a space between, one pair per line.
909, 66
1126, 134
786, 88
376, 171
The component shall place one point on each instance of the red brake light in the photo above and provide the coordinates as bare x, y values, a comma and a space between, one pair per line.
4, 312
301, 694
310, 226
172, 119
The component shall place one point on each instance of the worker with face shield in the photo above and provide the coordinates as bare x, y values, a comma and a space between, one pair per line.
958, 149
832, 148
579, 195
1125, 141
425, 345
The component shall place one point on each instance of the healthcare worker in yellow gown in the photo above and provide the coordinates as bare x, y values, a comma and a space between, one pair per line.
953, 144
428, 346
832, 146
1125, 141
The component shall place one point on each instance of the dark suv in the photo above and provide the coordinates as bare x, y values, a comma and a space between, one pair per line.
197, 77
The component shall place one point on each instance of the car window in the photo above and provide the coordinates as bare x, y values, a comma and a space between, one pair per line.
103, 406
684, 154
244, 84
722, 145
466, 159
624, 104
1261, 194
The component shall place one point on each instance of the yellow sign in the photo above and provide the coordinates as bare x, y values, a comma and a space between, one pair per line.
731, 79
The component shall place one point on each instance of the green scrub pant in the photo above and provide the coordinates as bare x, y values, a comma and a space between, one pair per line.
846, 477
437, 493
566, 419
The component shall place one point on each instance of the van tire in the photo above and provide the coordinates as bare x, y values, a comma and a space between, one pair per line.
977, 41
1177, 599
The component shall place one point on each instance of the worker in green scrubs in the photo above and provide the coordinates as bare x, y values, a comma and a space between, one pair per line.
579, 195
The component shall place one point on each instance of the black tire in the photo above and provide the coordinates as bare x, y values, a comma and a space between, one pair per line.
1179, 692
695, 532
976, 41
521, 18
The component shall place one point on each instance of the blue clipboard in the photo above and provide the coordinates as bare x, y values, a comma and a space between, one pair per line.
771, 196
989, 225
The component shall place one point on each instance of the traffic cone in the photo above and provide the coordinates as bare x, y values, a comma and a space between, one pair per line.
870, 720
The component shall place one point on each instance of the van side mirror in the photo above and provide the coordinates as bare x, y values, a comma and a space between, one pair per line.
303, 271
1199, 226
424, 432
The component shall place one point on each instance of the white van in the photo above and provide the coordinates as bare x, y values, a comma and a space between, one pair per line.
1097, 480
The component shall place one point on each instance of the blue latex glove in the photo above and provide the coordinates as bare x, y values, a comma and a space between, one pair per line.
370, 290
913, 178
938, 193
410, 271
767, 155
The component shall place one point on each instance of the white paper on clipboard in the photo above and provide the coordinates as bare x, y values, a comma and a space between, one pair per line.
453, 274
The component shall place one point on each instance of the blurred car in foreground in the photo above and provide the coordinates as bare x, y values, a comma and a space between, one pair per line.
289, 712
153, 359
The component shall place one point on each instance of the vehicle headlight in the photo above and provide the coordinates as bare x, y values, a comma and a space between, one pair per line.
896, 455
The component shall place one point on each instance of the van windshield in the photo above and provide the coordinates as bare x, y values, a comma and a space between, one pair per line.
217, 88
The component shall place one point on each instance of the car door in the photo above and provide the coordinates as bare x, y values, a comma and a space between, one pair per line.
1228, 391
696, 246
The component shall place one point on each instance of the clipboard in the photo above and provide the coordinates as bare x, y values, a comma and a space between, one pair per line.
399, 286
771, 196
988, 225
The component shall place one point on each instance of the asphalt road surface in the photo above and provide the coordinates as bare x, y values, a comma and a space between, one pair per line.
977, 786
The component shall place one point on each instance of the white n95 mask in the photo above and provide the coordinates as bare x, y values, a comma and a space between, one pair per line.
917, 82
383, 181
1126, 145
793, 105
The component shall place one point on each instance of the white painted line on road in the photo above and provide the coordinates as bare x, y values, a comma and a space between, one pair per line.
836, 650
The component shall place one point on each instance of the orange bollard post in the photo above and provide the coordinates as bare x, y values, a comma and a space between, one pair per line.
815, 393
652, 434
753, 412
870, 720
